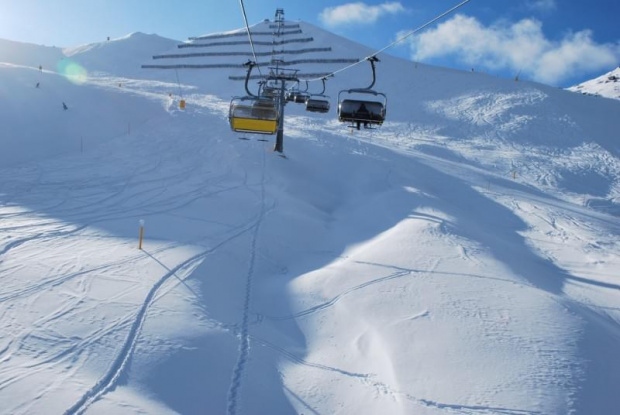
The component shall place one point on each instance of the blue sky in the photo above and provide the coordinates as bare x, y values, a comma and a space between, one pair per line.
559, 42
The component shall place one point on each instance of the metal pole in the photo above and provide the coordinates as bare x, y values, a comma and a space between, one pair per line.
141, 235
279, 147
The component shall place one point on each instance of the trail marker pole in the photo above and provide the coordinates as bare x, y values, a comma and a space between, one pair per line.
81, 144
141, 233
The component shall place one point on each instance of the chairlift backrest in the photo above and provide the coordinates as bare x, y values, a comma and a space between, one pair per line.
253, 115
270, 91
264, 109
317, 105
358, 110
300, 97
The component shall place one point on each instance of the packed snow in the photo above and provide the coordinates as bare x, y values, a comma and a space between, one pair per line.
461, 259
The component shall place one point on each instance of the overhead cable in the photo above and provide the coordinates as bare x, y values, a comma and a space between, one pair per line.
400, 39
247, 26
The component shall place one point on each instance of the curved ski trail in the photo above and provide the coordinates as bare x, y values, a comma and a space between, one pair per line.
119, 366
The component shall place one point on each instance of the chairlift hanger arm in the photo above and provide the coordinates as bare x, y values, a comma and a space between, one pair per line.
250, 66
372, 60
322, 93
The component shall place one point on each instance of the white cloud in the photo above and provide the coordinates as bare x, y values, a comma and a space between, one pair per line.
358, 13
520, 46
541, 5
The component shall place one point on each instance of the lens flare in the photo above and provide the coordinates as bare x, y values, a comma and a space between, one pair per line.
72, 71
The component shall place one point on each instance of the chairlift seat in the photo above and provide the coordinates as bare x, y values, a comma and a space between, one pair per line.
300, 98
317, 105
271, 92
353, 110
260, 117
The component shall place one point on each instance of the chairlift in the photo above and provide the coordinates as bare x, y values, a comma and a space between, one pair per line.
358, 111
298, 96
270, 91
362, 111
318, 102
253, 114
317, 105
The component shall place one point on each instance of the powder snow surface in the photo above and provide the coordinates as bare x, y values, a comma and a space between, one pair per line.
461, 259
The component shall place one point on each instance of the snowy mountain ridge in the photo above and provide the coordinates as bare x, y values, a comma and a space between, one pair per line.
607, 85
460, 259
131, 50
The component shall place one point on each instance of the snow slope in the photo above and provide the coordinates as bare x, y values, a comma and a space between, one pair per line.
607, 85
34, 125
461, 259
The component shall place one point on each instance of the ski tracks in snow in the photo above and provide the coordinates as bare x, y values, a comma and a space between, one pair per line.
120, 365
335, 299
244, 346
398, 273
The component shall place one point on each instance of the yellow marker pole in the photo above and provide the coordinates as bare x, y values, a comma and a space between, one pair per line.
141, 233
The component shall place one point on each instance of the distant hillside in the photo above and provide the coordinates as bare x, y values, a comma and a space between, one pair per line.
607, 85
28, 54
121, 57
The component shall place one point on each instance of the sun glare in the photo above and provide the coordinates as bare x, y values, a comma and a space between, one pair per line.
72, 71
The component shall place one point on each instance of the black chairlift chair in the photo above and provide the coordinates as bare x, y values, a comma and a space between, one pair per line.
270, 91
318, 102
357, 111
361, 111
314, 104
298, 96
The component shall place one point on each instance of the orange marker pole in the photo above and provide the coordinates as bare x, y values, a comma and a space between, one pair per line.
141, 233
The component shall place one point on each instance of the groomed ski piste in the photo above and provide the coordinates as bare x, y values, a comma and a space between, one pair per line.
461, 259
